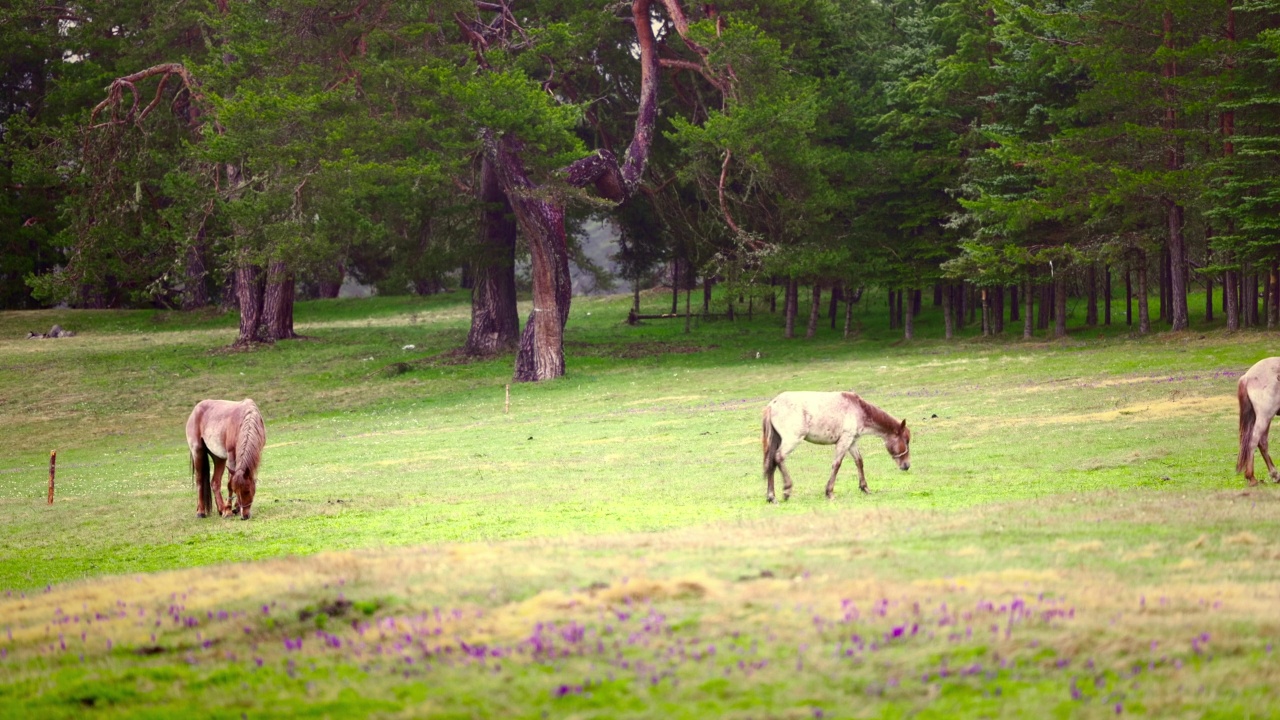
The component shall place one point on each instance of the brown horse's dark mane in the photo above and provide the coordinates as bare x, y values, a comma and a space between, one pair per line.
878, 419
251, 439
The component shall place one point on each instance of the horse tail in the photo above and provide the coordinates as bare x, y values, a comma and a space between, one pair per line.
251, 439
200, 468
1247, 418
770, 441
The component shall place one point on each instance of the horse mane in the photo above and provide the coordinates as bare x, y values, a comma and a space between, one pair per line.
876, 417
252, 437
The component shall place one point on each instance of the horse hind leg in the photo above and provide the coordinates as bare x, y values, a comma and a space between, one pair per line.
780, 456
770, 460
1266, 456
218, 466
769, 467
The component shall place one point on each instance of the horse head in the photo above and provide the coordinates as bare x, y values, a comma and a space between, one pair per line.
898, 443
243, 485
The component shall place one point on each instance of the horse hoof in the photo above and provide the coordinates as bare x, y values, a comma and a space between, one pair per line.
769, 499
201, 515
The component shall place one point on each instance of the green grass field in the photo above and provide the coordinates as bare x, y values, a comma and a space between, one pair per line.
1071, 540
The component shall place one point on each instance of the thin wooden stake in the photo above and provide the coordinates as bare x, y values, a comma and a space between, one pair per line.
506, 407
53, 459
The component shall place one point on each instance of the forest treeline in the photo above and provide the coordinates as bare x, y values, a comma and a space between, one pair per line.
992, 155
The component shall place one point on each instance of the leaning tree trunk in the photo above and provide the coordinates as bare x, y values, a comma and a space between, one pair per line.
277, 303
541, 215
541, 353
249, 290
495, 323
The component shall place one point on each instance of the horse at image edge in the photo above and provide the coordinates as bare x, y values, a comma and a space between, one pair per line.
1259, 394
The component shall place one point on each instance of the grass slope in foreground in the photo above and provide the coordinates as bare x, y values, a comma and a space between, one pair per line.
1070, 540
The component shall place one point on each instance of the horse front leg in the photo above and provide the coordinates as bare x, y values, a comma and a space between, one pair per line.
862, 476
218, 466
842, 448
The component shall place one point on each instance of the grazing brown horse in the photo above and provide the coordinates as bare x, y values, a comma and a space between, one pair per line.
233, 435
1259, 395
827, 418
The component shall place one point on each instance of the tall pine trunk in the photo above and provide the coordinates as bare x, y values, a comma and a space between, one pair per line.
1128, 294
789, 308
1060, 305
1091, 288
1144, 310
836, 290
948, 319
1231, 280
1274, 297
997, 308
814, 310
848, 313
986, 312
908, 318
1028, 313
1106, 294
1173, 162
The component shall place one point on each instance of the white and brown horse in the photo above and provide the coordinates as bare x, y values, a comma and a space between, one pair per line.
827, 418
232, 434
1259, 395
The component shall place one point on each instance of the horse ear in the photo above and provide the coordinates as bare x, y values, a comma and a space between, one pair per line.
903, 426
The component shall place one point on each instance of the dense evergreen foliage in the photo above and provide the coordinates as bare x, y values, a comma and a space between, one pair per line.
1003, 153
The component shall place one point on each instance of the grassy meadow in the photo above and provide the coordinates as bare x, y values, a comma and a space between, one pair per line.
1071, 540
